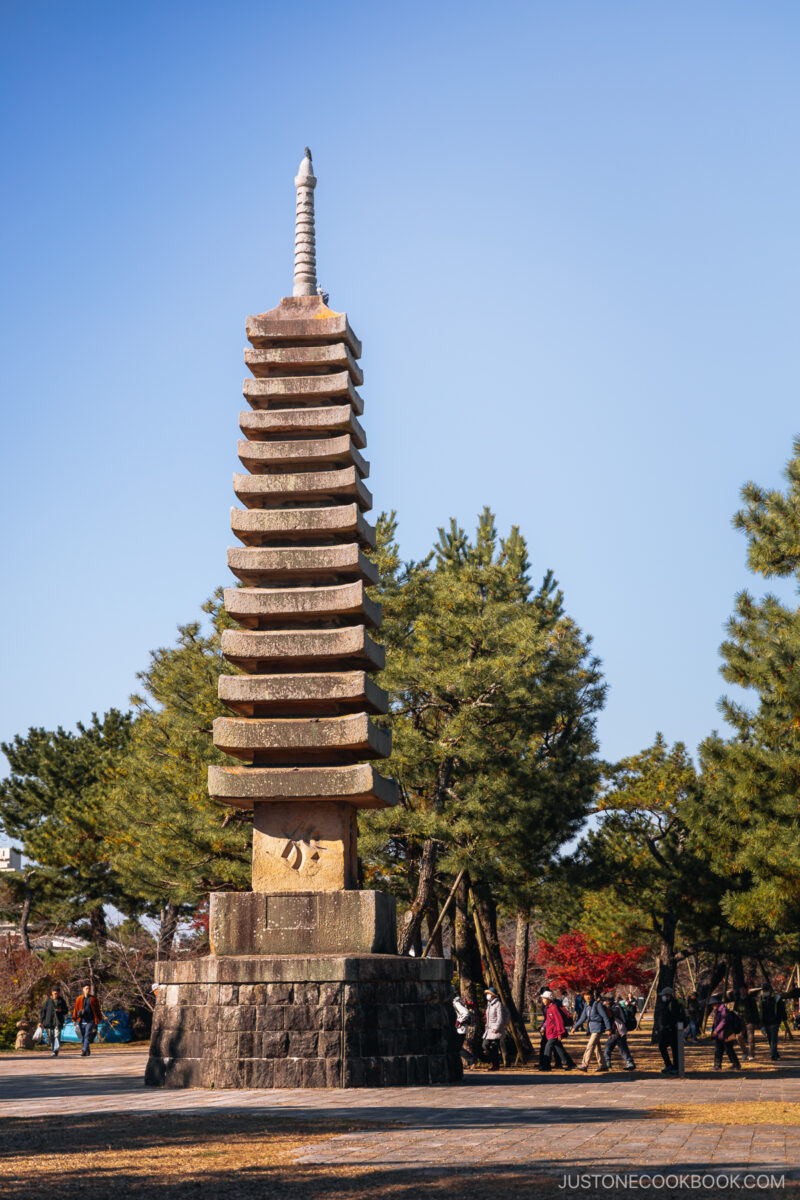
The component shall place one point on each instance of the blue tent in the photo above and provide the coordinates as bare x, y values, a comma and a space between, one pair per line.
115, 1028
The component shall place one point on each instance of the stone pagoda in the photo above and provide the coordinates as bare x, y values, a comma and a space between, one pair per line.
303, 986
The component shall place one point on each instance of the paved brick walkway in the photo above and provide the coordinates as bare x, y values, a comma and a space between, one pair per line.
558, 1123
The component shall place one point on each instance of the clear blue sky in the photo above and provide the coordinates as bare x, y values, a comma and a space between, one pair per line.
567, 233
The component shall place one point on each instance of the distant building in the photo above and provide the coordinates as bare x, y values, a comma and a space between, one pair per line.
10, 860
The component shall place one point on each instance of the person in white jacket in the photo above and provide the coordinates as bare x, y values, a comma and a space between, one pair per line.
465, 1020
495, 1026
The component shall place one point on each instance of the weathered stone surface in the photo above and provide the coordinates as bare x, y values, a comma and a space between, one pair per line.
275, 608
264, 491
304, 321
341, 969
265, 527
350, 647
300, 846
359, 785
269, 423
301, 454
301, 389
334, 692
262, 740
330, 923
297, 1041
301, 564
302, 360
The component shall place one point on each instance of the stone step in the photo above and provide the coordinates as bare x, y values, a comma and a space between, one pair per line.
287, 390
359, 785
301, 564
301, 454
270, 491
275, 608
264, 424
306, 359
298, 320
291, 695
270, 527
257, 650
304, 739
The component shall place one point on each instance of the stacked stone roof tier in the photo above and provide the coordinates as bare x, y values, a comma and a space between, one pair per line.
304, 702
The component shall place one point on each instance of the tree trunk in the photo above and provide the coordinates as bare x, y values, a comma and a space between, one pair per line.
467, 958
521, 949
737, 971
410, 934
166, 932
666, 952
98, 932
24, 917
487, 913
431, 916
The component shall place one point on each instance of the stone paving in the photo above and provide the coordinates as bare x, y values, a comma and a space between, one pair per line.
559, 1123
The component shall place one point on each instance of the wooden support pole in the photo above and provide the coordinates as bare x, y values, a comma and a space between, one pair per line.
496, 978
440, 918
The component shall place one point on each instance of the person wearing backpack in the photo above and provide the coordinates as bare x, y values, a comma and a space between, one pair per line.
465, 1020
726, 1027
619, 1018
668, 1016
595, 1018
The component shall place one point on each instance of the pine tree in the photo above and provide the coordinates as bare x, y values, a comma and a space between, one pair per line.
52, 804
641, 855
494, 693
753, 830
167, 839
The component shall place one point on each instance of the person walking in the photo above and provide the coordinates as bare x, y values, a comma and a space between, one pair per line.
693, 1016
53, 1016
554, 1028
668, 1015
595, 1018
616, 1012
495, 1026
725, 1029
770, 1020
747, 1010
465, 1020
87, 1015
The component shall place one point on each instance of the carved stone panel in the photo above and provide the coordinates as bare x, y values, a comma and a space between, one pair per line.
302, 847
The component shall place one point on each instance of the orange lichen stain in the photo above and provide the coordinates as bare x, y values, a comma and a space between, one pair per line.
326, 312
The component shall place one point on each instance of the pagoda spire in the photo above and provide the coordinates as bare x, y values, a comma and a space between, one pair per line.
305, 250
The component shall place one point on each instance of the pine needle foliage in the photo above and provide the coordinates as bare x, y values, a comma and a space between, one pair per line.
494, 694
753, 777
168, 840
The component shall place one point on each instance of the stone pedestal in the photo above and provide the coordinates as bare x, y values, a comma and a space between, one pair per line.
299, 923
289, 1021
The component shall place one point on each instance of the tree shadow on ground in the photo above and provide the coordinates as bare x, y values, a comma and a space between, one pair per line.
249, 1155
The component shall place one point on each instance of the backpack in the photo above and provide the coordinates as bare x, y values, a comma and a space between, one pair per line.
630, 1017
733, 1023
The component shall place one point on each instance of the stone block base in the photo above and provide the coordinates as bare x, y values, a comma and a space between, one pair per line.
300, 923
323, 1021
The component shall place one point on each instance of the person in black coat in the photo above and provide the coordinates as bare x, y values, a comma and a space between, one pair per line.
52, 1018
668, 1015
773, 1011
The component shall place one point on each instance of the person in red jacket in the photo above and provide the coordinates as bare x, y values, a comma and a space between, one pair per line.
554, 1028
87, 1015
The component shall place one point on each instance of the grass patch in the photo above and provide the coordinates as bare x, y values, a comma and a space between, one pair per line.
750, 1112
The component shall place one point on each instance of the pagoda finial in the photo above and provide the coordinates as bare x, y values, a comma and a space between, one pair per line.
305, 248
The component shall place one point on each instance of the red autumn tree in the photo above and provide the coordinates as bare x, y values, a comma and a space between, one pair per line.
578, 965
